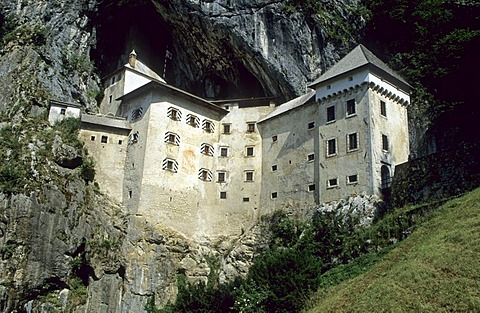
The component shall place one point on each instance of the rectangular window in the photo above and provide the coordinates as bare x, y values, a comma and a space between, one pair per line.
92, 138
113, 80
174, 114
192, 120
311, 157
274, 195
104, 139
311, 125
206, 149
226, 128
120, 141
274, 168
205, 174
169, 165
331, 114
331, 147
350, 78
223, 151
274, 138
246, 199
311, 187
351, 107
250, 127
172, 138
249, 176
249, 151
332, 183
329, 87
352, 142
383, 108
352, 179
110, 99
63, 111
221, 177
223, 195
208, 126
384, 143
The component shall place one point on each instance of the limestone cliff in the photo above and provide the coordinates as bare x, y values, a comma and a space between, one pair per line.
63, 245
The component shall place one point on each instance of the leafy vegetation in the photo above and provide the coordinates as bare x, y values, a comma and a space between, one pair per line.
301, 258
434, 44
434, 270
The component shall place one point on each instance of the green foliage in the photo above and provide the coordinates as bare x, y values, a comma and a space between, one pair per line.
77, 62
78, 293
28, 33
70, 128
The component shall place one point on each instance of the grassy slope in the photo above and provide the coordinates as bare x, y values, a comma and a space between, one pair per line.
437, 269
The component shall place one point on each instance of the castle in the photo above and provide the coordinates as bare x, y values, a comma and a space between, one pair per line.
211, 168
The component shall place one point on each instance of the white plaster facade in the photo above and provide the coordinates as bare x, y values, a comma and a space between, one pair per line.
212, 168
61, 110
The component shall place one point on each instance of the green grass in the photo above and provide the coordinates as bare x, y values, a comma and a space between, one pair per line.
436, 269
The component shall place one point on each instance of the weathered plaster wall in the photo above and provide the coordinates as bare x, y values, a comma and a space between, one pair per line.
294, 172
109, 157
55, 115
345, 162
395, 126
114, 88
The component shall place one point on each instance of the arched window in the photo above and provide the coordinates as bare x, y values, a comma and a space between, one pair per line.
386, 177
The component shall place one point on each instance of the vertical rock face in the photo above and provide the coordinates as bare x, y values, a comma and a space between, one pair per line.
63, 246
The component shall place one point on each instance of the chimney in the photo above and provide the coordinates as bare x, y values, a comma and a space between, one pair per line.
132, 59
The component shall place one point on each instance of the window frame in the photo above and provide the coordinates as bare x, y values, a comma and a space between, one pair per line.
170, 165
104, 139
247, 151
329, 154
249, 176
310, 189
193, 120
274, 195
311, 125
228, 126
207, 149
348, 105
221, 149
251, 127
310, 157
274, 167
208, 126
223, 195
357, 142
174, 114
333, 110
223, 175
330, 184
205, 175
383, 108
274, 138
350, 182
172, 138
385, 143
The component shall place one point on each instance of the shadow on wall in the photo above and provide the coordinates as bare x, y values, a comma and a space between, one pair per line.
437, 176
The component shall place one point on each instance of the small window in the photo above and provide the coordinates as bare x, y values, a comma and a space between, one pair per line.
331, 147
205, 174
352, 179
249, 176
250, 127
172, 138
226, 128
311, 157
311, 187
137, 113
110, 98
274, 168
331, 114
246, 199
329, 87
352, 142
104, 139
193, 121
120, 141
221, 177
170, 165
311, 125
223, 151
274, 138
208, 126
113, 80
351, 107
63, 111
383, 108
350, 78
174, 114
206, 149
384, 143
92, 138
274, 195
332, 183
249, 151
223, 195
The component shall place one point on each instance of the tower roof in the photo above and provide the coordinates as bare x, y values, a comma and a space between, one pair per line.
357, 58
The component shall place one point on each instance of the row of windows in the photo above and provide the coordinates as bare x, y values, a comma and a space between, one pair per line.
206, 149
104, 139
331, 183
204, 173
207, 125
